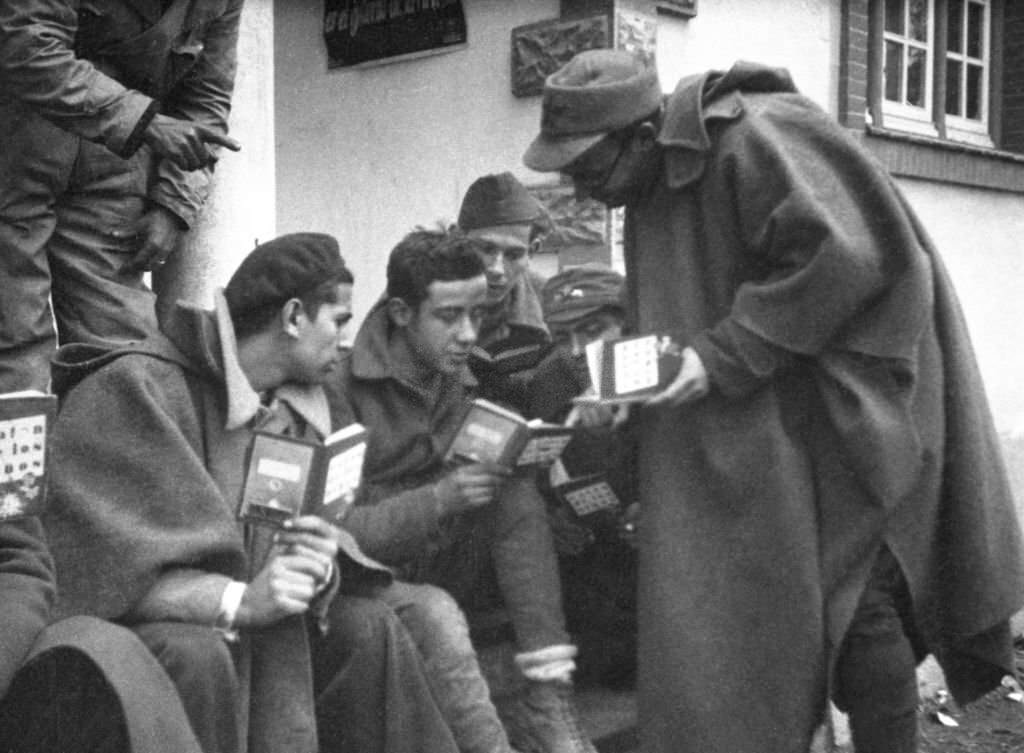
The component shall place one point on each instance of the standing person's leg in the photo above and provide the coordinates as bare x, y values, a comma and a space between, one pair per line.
35, 163
94, 298
875, 678
373, 695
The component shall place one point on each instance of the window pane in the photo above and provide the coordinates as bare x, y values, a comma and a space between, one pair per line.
894, 71
919, 20
975, 30
916, 61
974, 98
894, 16
953, 87
955, 35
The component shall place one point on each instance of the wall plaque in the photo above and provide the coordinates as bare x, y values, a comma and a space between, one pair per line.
678, 7
540, 49
358, 31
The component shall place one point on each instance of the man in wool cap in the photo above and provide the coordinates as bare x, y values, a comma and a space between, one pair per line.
499, 209
149, 455
804, 477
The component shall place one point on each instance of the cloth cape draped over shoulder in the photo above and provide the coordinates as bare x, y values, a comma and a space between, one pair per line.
847, 414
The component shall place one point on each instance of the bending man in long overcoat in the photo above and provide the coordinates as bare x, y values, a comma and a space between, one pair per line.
823, 499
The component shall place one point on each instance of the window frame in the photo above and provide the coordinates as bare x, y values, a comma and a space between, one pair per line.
932, 119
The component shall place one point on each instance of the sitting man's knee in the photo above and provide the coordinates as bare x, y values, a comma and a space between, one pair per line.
189, 651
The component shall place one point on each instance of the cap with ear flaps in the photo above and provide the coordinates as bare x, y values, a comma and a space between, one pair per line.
579, 291
596, 92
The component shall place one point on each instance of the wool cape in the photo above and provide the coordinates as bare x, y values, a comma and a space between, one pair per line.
147, 470
846, 414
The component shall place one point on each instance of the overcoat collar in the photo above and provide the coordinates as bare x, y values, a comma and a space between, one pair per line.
371, 356
701, 98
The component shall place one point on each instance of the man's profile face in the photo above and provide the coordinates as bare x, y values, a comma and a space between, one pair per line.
507, 263
573, 338
444, 326
320, 339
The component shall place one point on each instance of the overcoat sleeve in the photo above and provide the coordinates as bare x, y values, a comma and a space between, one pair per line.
202, 96
821, 231
131, 495
26, 592
38, 67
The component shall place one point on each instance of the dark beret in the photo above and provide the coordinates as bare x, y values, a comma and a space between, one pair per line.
498, 200
286, 267
580, 291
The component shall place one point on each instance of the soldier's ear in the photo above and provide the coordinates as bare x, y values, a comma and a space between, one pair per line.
292, 313
399, 312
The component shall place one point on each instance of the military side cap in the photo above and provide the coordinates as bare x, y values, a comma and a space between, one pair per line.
580, 291
596, 92
286, 267
498, 200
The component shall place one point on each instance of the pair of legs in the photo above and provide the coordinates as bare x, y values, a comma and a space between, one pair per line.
510, 542
875, 677
61, 198
372, 694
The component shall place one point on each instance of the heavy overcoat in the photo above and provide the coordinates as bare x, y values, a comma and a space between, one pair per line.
148, 458
846, 413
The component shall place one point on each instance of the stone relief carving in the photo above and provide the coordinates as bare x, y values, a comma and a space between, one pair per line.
542, 48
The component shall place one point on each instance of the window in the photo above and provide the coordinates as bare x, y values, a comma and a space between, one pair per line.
936, 64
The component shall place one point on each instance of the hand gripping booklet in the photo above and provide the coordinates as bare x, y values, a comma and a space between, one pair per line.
287, 476
630, 369
491, 433
25, 422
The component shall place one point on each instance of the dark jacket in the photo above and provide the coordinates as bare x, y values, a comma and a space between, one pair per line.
101, 68
846, 413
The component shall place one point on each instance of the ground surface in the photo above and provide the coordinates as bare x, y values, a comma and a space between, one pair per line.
994, 724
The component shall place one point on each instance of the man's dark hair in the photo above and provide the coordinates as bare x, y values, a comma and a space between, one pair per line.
425, 256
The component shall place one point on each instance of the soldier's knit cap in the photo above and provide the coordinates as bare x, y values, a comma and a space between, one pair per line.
580, 291
286, 267
498, 199
596, 92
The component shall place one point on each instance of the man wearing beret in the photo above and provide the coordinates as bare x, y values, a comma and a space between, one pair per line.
148, 460
513, 338
823, 496
451, 525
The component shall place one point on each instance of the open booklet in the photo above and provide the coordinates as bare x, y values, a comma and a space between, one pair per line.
491, 433
288, 476
630, 369
26, 419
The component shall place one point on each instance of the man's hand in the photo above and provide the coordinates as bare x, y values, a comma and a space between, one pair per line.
299, 565
157, 234
691, 383
598, 415
469, 487
185, 143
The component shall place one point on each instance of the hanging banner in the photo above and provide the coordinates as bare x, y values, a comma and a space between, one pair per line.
357, 31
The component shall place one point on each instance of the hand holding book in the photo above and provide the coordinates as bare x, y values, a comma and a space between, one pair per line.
469, 486
630, 369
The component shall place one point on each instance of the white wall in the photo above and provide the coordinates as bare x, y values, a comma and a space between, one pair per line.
367, 154
979, 235
240, 209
